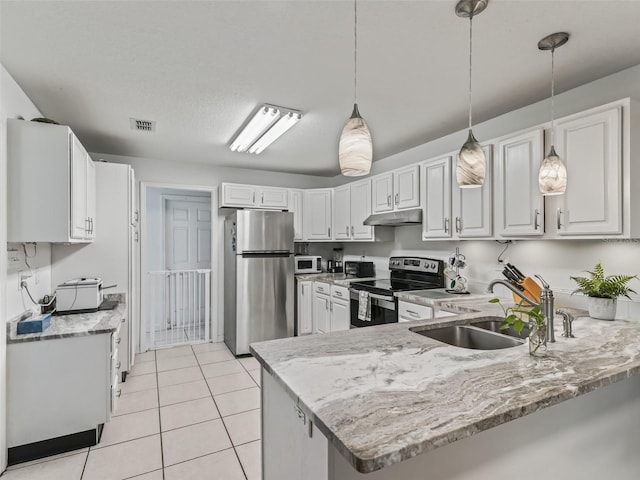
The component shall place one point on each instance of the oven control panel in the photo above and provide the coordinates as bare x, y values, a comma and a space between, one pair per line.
416, 264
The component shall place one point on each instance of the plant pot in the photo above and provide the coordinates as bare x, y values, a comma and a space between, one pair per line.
602, 308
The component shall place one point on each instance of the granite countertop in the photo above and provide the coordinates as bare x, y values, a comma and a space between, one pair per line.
384, 394
438, 296
340, 279
77, 325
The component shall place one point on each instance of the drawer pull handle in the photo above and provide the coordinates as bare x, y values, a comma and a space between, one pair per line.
339, 294
411, 312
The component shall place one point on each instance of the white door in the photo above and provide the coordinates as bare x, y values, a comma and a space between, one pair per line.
590, 146
382, 192
473, 207
233, 195
91, 197
317, 214
436, 215
406, 185
187, 234
321, 314
79, 220
340, 315
305, 308
342, 213
360, 210
273, 198
519, 204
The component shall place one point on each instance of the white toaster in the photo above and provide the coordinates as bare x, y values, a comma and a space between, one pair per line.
79, 294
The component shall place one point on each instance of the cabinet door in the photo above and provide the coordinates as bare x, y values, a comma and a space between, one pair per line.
305, 308
91, 198
342, 213
382, 192
340, 315
591, 147
436, 215
360, 210
317, 214
473, 207
321, 313
79, 218
273, 198
406, 187
238, 195
295, 206
519, 205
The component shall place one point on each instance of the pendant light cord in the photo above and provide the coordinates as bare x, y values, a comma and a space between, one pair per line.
355, 51
553, 106
470, 64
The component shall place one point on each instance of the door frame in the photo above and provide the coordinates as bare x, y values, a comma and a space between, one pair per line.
216, 280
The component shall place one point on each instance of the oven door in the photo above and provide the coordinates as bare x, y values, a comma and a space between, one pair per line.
383, 310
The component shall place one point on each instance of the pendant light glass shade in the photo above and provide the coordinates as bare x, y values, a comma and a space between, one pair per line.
356, 149
471, 165
553, 175
552, 178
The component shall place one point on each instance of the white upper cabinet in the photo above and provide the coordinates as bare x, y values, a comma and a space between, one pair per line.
473, 207
406, 187
239, 196
382, 192
51, 185
397, 190
351, 207
436, 198
590, 145
519, 208
295, 206
317, 214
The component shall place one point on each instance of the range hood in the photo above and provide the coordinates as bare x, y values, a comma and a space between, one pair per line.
395, 219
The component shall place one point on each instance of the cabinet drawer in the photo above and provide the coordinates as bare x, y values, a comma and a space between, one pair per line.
411, 311
321, 288
340, 292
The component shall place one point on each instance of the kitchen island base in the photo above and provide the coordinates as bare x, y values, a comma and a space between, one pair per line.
592, 436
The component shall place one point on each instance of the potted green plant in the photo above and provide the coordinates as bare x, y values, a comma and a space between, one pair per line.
603, 292
519, 317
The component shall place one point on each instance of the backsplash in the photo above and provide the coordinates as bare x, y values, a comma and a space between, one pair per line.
39, 283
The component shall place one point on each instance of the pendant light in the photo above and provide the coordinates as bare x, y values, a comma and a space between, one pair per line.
552, 178
471, 168
355, 150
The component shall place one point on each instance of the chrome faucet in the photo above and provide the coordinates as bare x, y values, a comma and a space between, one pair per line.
545, 304
567, 321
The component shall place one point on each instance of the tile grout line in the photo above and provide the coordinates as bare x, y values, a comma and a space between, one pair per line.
222, 421
159, 418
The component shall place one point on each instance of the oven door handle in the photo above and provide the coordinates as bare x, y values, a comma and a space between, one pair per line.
356, 295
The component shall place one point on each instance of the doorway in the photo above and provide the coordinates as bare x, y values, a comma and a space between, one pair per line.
177, 252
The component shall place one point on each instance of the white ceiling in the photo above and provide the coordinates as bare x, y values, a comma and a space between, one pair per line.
198, 68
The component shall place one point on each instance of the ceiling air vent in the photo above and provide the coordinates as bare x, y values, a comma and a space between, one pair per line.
142, 125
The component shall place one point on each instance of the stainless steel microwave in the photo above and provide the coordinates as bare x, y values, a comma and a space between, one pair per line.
307, 264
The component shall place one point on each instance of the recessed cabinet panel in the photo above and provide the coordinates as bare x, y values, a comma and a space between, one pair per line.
342, 213
360, 210
590, 146
519, 204
317, 214
295, 206
238, 195
305, 307
382, 192
436, 216
473, 207
406, 187
321, 313
273, 197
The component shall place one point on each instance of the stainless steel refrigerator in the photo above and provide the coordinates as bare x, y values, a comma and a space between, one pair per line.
258, 276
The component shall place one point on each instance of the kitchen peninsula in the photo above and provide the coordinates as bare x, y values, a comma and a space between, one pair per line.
390, 403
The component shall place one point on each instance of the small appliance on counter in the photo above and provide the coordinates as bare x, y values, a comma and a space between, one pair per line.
307, 264
360, 269
335, 265
80, 295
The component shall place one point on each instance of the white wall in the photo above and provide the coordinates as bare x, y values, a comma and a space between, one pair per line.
13, 104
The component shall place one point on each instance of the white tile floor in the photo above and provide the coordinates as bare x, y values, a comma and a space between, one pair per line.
186, 413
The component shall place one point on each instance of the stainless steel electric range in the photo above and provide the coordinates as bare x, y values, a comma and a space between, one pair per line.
406, 274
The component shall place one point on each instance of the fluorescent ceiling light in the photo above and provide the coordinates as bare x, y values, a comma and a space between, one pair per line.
271, 135
264, 127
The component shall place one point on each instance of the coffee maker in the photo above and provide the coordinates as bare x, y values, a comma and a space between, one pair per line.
335, 265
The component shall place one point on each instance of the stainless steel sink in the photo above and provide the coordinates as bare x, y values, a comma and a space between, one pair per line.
469, 337
493, 324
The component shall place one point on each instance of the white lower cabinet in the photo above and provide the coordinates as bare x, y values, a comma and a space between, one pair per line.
407, 312
60, 386
331, 308
519, 209
292, 446
321, 307
304, 310
340, 308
